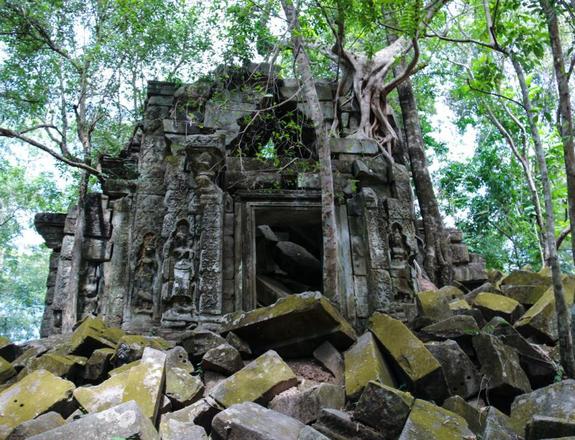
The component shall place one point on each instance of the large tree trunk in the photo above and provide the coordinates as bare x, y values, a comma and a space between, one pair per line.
562, 313
565, 111
330, 235
437, 259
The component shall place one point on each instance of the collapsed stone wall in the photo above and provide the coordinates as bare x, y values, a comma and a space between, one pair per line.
214, 207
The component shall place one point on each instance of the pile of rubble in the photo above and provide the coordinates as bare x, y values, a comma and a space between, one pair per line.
480, 365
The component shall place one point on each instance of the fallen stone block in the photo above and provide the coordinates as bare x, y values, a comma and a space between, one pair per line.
500, 365
331, 359
383, 408
239, 344
418, 366
131, 347
200, 413
198, 342
66, 366
182, 388
177, 357
338, 425
556, 400
91, 334
308, 433
8, 350
363, 363
470, 412
492, 305
174, 430
223, 359
40, 424
525, 287
430, 422
454, 327
145, 383
459, 305
251, 421
540, 320
306, 404
98, 364
496, 425
433, 305
259, 381
542, 427
460, 374
294, 326
6, 370
37, 393
108, 394
122, 421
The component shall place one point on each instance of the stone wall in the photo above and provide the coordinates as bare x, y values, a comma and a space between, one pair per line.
214, 207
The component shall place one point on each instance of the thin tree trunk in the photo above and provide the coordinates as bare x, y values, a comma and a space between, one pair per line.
565, 111
330, 235
437, 260
562, 313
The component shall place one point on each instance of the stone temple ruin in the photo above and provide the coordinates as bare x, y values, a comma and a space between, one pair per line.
214, 207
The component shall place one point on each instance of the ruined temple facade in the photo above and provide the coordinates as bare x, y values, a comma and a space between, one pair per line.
214, 207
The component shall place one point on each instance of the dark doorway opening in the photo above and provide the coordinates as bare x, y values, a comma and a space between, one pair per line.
288, 252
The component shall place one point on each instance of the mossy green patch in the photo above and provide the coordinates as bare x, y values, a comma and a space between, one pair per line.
433, 304
91, 334
430, 422
58, 364
35, 394
364, 363
101, 397
6, 370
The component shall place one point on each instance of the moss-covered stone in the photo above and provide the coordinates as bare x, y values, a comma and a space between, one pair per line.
492, 305
540, 320
430, 422
524, 286
37, 393
433, 305
68, 366
419, 367
91, 334
108, 394
146, 381
6, 370
451, 293
40, 424
471, 413
458, 305
259, 381
131, 347
364, 363
123, 368
294, 326
454, 327
98, 364
182, 388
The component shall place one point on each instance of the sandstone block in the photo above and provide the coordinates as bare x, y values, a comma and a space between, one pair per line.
433, 305
492, 305
223, 359
6, 370
40, 424
338, 425
174, 430
331, 359
199, 413
259, 381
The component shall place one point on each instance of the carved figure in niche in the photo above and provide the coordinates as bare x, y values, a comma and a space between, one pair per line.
144, 276
400, 251
178, 289
89, 292
203, 163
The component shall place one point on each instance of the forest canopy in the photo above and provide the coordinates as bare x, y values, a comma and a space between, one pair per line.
495, 75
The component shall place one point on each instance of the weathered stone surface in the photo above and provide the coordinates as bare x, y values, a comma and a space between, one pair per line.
177, 357
427, 421
557, 400
106, 395
92, 334
458, 326
122, 421
338, 425
306, 404
492, 305
542, 427
539, 321
67, 366
460, 374
259, 381
98, 364
239, 344
131, 347
459, 305
500, 365
422, 371
40, 424
294, 326
525, 287
6, 370
451, 293
37, 393
298, 262
496, 425
331, 359
363, 363
174, 430
199, 413
199, 342
223, 359
308, 433
182, 388
470, 412
145, 383
383, 408
433, 305
251, 421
